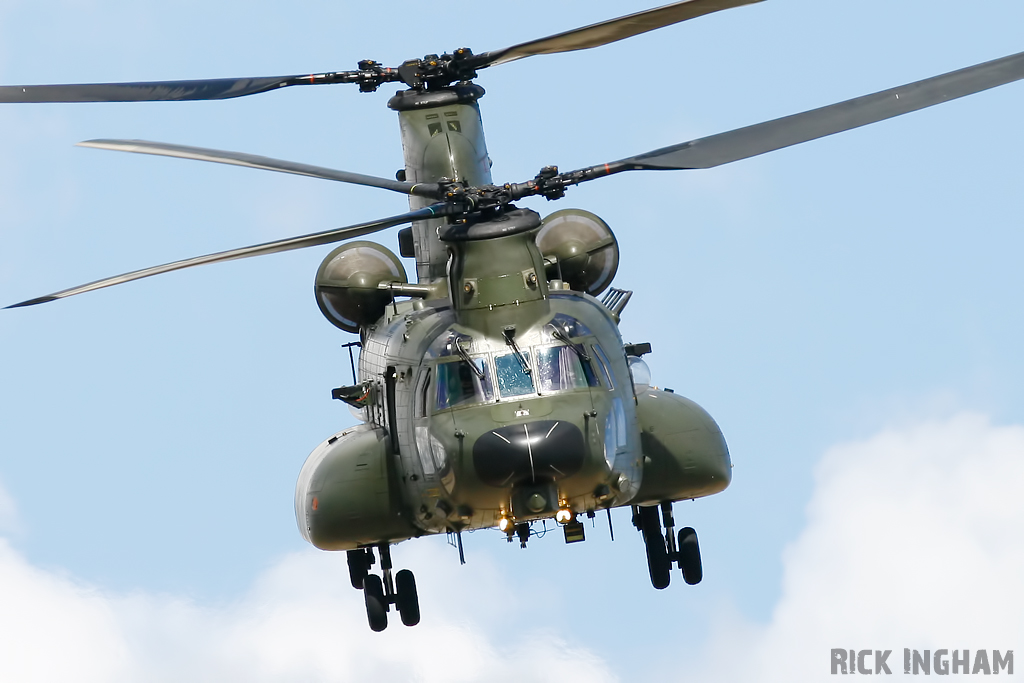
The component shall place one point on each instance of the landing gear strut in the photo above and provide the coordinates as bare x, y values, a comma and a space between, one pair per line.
662, 547
359, 562
380, 593
658, 561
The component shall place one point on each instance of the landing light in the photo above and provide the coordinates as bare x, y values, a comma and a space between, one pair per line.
504, 524
564, 516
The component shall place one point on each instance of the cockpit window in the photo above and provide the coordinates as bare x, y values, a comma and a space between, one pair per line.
570, 326
512, 379
605, 366
589, 373
560, 368
460, 383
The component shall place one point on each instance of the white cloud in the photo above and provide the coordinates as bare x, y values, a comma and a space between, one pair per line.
54, 629
300, 621
913, 541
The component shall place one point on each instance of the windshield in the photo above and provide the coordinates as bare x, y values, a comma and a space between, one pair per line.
560, 368
459, 384
512, 380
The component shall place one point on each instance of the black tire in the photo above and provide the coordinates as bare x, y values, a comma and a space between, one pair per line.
657, 552
406, 599
357, 567
376, 606
689, 556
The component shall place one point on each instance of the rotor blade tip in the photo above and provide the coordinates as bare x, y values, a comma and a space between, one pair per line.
33, 302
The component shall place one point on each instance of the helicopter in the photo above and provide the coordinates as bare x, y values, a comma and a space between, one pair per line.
504, 303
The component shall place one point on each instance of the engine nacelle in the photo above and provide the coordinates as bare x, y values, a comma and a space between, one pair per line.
347, 280
685, 455
344, 499
580, 250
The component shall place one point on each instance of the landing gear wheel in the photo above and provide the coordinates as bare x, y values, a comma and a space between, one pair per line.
376, 606
689, 556
358, 565
657, 552
406, 600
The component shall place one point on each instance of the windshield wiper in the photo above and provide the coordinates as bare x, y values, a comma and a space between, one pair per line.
510, 339
457, 345
561, 336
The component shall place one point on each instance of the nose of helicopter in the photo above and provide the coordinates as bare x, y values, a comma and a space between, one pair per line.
532, 451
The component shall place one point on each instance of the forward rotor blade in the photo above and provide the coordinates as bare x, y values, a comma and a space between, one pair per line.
810, 125
159, 91
261, 162
312, 240
609, 31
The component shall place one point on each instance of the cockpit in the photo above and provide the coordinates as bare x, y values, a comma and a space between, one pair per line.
465, 372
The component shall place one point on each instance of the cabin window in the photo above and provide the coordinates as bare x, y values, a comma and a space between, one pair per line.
602, 360
423, 449
512, 379
614, 432
458, 384
422, 397
560, 368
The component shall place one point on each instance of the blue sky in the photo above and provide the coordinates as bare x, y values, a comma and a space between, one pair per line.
835, 293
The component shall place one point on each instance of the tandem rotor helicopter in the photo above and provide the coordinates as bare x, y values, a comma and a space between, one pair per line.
496, 390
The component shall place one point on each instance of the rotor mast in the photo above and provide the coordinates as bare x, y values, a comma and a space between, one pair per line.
442, 139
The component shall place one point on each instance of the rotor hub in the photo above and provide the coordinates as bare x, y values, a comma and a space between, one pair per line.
491, 225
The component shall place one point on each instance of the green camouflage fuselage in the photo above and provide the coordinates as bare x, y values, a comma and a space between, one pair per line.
498, 393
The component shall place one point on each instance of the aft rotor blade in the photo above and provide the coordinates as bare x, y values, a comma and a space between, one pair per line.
160, 91
312, 240
792, 130
609, 31
266, 163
